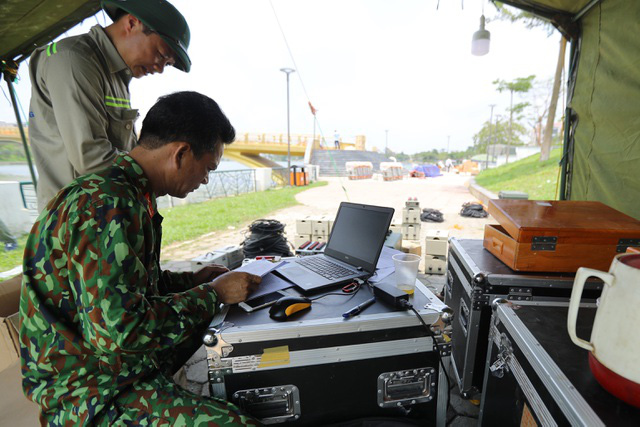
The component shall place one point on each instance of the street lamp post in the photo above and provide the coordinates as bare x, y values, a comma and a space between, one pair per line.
288, 71
486, 163
386, 142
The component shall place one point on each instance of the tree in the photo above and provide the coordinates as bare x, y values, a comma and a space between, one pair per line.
532, 21
540, 95
497, 133
519, 85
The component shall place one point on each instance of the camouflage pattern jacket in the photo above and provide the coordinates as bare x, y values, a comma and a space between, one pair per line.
97, 314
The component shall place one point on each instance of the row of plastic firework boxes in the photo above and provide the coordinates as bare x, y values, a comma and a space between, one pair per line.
313, 228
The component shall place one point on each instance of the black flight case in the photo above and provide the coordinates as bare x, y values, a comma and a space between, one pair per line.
318, 368
536, 376
475, 278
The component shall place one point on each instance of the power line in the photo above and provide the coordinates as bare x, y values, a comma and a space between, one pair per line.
286, 42
289, 49
304, 88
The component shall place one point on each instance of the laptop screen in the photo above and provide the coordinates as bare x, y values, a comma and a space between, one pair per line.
358, 234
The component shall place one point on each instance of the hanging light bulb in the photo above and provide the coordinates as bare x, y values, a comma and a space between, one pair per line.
480, 41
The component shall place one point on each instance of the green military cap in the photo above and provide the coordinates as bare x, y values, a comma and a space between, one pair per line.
161, 17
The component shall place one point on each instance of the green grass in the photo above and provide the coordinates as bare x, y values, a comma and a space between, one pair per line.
12, 152
530, 175
12, 259
190, 221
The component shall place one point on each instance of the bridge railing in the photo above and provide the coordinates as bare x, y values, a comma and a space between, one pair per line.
225, 184
272, 138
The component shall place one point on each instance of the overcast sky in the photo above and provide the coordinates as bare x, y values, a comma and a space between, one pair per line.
367, 66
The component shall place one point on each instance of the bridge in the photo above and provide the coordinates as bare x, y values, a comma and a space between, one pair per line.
248, 147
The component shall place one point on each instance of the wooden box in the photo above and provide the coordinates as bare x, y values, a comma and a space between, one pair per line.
558, 236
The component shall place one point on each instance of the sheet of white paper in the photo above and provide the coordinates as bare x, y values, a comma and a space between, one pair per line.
261, 267
385, 260
270, 283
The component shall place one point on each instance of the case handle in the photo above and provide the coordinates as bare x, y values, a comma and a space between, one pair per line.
574, 303
497, 244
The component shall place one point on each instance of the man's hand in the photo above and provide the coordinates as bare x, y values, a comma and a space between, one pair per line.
208, 273
235, 286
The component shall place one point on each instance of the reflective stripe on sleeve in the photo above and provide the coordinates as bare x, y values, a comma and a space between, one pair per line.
117, 102
52, 49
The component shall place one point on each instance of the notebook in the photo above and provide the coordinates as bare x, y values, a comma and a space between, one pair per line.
353, 249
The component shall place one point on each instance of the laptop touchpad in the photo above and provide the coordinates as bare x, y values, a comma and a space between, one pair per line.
298, 275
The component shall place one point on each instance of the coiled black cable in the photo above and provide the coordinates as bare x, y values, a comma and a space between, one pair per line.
266, 238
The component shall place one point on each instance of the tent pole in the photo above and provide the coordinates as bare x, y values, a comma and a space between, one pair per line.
565, 152
564, 161
22, 135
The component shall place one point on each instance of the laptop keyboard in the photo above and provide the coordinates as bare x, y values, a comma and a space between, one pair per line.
326, 269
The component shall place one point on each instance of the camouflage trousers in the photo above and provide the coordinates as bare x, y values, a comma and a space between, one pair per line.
158, 401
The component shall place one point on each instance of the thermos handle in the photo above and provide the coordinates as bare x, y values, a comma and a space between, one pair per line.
574, 304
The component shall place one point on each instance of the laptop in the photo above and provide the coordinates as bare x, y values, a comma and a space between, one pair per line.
353, 249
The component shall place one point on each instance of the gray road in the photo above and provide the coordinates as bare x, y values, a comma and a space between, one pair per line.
446, 193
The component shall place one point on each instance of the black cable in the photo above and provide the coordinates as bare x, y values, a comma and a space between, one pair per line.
345, 294
408, 305
473, 210
266, 238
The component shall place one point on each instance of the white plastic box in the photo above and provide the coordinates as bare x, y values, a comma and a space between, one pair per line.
303, 226
396, 226
434, 264
411, 231
320, 226
235, 255
410, 215
209, 258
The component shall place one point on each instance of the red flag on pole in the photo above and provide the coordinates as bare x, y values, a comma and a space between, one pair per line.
313, 110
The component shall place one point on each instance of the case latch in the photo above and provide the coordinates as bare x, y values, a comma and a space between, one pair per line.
500, 365
219, 365
544, 243
623, 244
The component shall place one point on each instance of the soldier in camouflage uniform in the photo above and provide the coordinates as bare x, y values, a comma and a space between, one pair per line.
101, 325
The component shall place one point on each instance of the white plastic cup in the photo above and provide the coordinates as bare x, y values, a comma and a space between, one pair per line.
406, 271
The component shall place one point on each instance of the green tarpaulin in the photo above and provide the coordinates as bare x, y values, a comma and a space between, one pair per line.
26, 24
606, 151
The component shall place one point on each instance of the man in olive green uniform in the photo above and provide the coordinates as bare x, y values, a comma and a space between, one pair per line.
80, 112
102, 327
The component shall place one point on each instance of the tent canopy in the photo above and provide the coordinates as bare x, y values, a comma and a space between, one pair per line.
27, 24
602, 136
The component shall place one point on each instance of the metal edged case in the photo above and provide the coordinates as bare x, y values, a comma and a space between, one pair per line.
318, 368
475, 278
535, 375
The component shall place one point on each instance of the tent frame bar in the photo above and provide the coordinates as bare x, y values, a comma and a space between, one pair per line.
8, 76
584, 10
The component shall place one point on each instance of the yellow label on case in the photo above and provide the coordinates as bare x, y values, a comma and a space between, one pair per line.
274, 356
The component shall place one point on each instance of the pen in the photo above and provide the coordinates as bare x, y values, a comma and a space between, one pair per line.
358, 308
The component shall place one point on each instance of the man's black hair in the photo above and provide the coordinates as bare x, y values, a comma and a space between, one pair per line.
187, 117
121, 12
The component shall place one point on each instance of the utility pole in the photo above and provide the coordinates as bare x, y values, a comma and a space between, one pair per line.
288, 71
386, 142
486, 163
